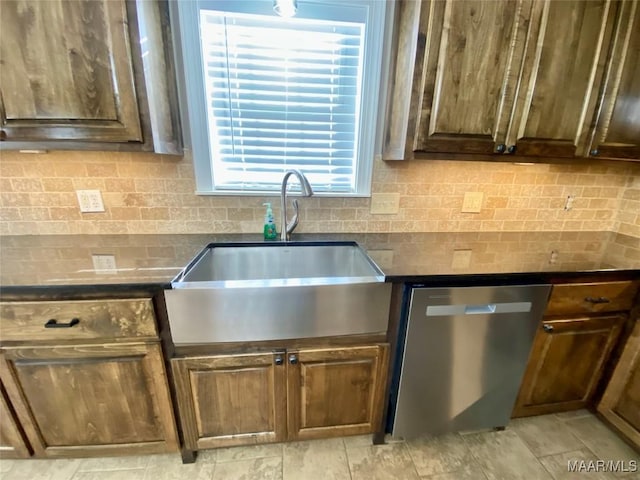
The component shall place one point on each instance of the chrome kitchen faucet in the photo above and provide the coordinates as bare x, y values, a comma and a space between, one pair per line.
287, 228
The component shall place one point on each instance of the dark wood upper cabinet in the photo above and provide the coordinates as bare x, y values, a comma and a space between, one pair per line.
567, 48
617, 133
87, 74
517, 78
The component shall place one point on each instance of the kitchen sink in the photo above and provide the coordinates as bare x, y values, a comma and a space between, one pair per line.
267, 291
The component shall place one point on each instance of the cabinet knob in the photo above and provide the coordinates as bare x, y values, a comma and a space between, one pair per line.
53, 323
293, 359
511, 149
595, 152
278, 360
547, 328
597, 300
501, 148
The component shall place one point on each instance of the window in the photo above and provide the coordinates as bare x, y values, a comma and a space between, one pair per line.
266, 94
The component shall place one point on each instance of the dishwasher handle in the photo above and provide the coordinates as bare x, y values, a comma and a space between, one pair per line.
481, 309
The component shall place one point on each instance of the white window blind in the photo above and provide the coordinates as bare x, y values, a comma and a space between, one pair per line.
281, 94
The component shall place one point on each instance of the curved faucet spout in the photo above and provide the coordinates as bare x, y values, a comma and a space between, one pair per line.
307, 191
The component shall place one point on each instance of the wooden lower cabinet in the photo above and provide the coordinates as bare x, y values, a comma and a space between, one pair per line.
231, 399
12, 441
334, 392
91, 400
566, 363
620, 404
242, 399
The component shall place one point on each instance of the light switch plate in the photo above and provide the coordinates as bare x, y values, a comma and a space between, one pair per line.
385, 203
90, 201
472, 202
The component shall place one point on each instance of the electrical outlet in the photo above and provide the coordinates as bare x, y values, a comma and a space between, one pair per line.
104, 263
90, 201
472, 202
385, 203
461, 259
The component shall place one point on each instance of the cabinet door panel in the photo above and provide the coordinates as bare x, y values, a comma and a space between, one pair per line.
12, 441
618, 130
92, 398
620, 404
67, 72
472, 59
564, 62
335, 391
230, 400
566, 363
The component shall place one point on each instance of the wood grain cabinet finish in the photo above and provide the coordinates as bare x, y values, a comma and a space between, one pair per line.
90, 400
300, 394
566, 363
620, 404
78, 74
617, 134
516, 77
231, 399
580, 328
335, 392
115, 320
13, 443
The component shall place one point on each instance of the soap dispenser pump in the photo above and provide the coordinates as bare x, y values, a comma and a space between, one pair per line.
270, 232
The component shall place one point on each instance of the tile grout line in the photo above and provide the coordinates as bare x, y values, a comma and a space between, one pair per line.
550, 474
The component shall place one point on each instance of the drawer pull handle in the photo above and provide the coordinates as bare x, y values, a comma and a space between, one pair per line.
547, 328
597, 300
293, 359
53, 323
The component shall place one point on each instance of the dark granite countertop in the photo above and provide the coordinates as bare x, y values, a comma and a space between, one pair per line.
67, 260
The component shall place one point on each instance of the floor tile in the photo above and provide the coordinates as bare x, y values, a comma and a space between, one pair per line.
102, 464
63, 469
503, 455
470, 471
315, 459
381, 462
6, 464
558, 466
357, 441
231, 454
252, 469
135, 474
598, 438
441, 454
170, 469
545, 435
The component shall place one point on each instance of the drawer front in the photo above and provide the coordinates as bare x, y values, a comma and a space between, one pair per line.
581, 298
82, 319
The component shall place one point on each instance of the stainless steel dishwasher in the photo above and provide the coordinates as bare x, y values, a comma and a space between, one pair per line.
465, 351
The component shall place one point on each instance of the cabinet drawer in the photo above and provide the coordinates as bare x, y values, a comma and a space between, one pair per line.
82, 319
580, 298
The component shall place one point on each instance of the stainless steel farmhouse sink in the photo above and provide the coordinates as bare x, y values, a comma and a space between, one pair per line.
266, 291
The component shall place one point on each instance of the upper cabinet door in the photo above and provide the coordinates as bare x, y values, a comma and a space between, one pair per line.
67, 72
465, 70
567, 48
617, 133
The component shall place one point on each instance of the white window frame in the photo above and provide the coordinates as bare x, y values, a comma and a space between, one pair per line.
186, 37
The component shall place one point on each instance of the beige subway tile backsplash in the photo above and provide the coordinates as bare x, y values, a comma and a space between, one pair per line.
147, 193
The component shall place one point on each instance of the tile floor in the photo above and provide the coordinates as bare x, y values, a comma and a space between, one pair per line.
529, 449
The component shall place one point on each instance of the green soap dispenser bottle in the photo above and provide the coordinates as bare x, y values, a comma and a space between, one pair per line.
270, 232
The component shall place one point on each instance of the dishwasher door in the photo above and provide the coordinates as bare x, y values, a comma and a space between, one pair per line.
465, 352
